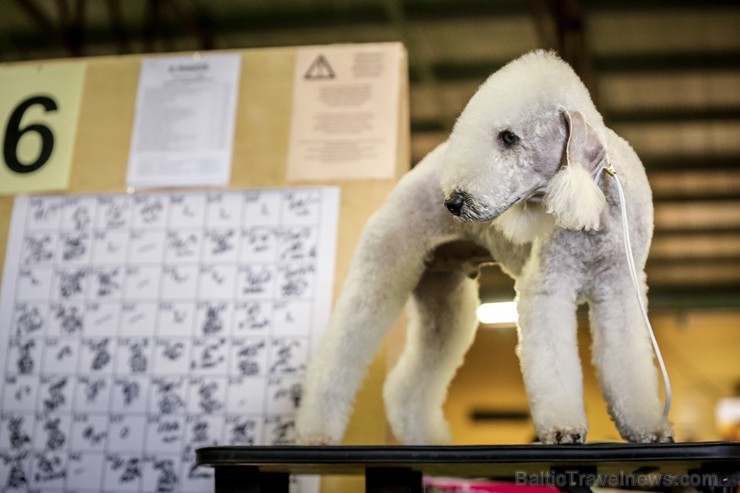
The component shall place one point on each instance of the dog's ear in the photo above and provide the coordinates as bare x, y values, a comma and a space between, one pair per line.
572, 195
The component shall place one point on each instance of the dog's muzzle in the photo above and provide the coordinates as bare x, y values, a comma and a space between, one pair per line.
463, 205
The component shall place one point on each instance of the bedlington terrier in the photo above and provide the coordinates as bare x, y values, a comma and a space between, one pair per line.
521, 175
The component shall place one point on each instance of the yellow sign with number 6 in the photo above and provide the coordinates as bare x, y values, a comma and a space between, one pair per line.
39, 106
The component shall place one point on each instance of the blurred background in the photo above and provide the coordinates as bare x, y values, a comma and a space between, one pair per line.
664, 73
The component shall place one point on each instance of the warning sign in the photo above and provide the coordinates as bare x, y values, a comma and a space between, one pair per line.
319, 70
344, 124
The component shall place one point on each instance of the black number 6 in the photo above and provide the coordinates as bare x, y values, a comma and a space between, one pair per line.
13, 135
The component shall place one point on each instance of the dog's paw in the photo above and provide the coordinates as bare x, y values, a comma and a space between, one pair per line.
656, 432
659, 436
313, 440
563, 436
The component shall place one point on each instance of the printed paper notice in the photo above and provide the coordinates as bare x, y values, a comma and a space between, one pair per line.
345, 112
184, 124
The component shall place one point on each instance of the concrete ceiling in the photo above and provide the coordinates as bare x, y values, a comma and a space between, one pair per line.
666, 75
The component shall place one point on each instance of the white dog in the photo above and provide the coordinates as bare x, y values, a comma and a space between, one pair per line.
521, 176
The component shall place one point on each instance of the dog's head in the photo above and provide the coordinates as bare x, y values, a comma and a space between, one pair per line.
530, 139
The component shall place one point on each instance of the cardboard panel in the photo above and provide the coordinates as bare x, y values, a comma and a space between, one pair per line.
259, 160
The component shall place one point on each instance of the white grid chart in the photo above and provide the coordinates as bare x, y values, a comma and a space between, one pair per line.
137, 328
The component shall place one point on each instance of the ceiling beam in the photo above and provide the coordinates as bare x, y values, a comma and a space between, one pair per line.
432, 125
715, 162
655, 5
497, 286
38, 15
431, 10
694, 299
654, 261
560, 26
628, 117
44, 22
486, 414
118, 25
668, 62
694, 231
290, 15
673, 115
398, 17
684, 196
276, 16
456, 70
691, 260
74, 29
152, 20
70, 28
189, 22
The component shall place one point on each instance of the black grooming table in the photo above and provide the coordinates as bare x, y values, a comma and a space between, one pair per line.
707, 466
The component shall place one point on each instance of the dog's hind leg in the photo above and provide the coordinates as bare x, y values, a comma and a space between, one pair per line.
623, 357
384, 270
388, 262
442, 323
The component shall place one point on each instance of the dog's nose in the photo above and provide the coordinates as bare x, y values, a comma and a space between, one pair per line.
455, 202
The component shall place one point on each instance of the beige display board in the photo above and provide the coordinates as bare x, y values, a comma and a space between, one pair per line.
260, 153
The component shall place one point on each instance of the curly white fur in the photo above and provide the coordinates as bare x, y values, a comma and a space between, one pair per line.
524, 222
561, 248
574, 199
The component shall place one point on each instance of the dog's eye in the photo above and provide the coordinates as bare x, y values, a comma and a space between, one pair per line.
508, 138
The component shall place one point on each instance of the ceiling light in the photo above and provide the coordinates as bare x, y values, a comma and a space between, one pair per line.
497, 313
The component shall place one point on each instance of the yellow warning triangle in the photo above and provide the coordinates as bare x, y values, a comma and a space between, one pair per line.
319, 70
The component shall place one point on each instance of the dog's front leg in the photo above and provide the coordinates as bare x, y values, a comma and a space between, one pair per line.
624, 358
548, 352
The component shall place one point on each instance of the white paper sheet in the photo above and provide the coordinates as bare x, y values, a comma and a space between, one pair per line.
345, 112
137, 328
184, 123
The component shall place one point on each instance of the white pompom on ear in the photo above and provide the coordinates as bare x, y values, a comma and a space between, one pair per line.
575, 200
524, 222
